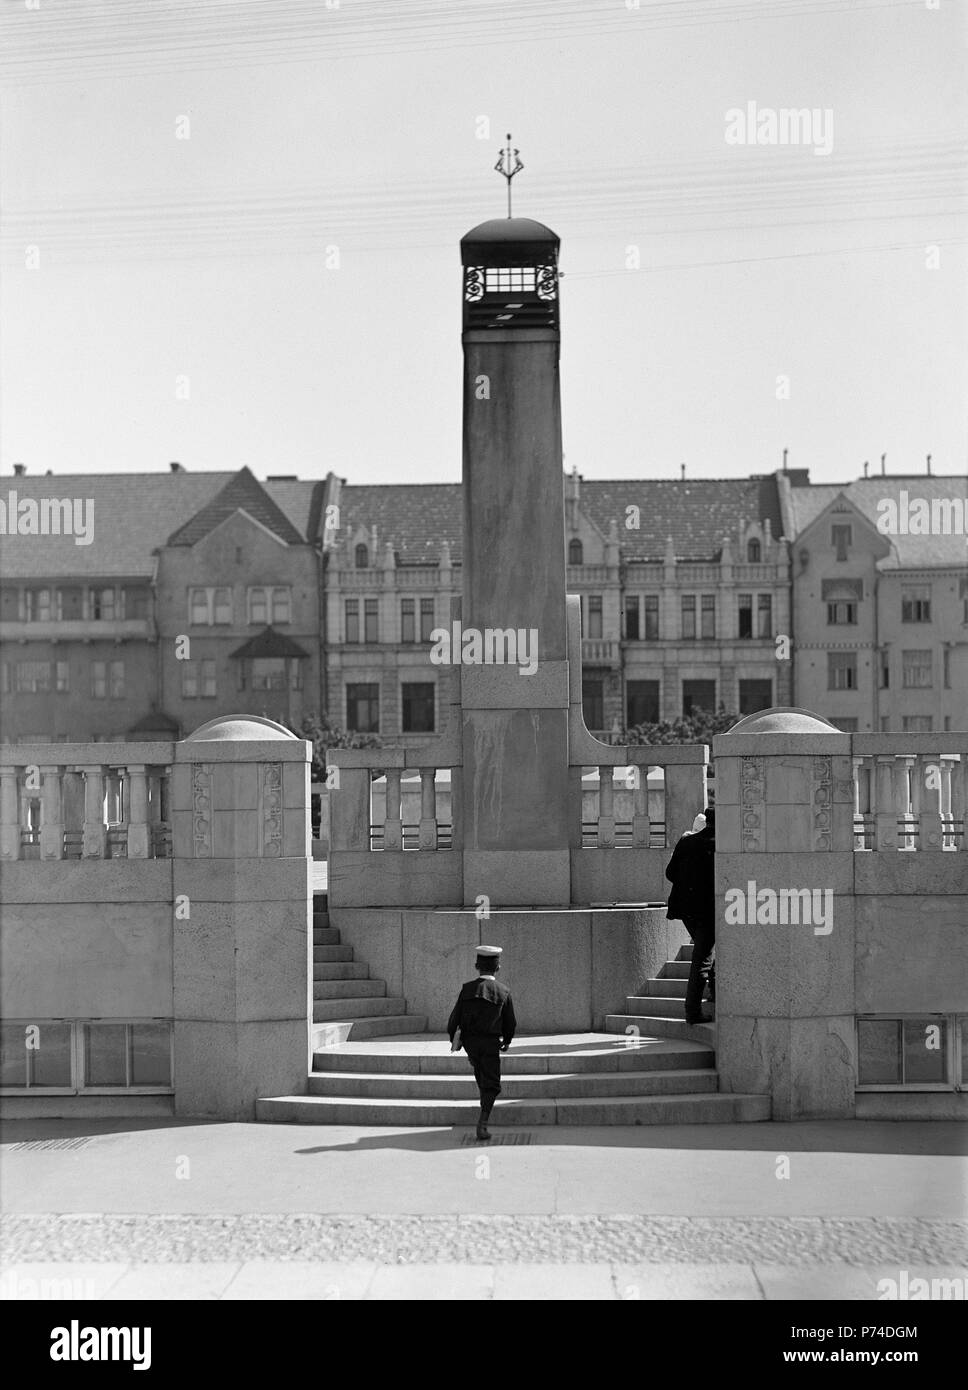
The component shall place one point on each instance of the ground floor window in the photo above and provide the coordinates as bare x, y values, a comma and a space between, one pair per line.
363, 708
698, 695
641, 703
918, 1052
79, 1055
755, 695
417, 705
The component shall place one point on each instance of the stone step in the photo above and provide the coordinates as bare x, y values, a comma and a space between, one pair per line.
338, 1033
331, 1010
339, 970
663, 1006
320, 919
611, 1110
325, 936
393, 1085
650, 1026
684, 953
420, 1054
321, 954
667, 988
349, 989
675, 970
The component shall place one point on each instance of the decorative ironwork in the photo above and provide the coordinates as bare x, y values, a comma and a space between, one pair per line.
271, 806
547, 282
473, 283
507, 166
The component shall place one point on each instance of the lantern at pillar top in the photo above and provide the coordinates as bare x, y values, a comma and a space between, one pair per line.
510, 275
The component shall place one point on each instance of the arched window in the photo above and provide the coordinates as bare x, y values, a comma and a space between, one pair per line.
575, 552
362, 556
753, 552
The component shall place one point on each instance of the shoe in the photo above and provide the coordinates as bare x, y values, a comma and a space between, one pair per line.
483, 1133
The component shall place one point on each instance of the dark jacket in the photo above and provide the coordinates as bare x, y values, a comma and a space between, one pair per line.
691, 872
483, 1010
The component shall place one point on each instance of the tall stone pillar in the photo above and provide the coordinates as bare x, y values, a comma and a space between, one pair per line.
785, 913
514, 725
242, 914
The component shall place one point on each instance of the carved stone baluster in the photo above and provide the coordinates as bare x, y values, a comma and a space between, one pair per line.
95, 830
393, 824
606, 808
948, 838
640, 809
138, 831
885, 816
427, 838
905, 780
932, 825
52, 817
9, 814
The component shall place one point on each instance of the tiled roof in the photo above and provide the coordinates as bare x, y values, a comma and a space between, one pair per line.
416, 518
245, 492
696, 513
295, 499
908, 551
133, 513
269, 642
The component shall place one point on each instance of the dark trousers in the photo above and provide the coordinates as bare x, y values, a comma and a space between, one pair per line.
484, 1055
702, 969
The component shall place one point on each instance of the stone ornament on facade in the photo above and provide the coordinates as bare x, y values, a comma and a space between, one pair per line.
270, 808
822, 795
202, 810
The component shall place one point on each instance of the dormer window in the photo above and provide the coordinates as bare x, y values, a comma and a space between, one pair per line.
575, 552
753, 552
362, 557
840, 539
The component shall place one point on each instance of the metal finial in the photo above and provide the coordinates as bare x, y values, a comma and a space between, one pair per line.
508, 165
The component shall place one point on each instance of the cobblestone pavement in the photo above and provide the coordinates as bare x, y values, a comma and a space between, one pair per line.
533, 1240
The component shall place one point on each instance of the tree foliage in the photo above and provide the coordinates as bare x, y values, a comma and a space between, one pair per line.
324, 734
698, 727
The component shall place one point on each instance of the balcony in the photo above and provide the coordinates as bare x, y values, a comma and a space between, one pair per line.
77, 630
600, 651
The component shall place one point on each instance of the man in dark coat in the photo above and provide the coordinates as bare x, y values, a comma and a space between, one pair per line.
484, 1015
693, 901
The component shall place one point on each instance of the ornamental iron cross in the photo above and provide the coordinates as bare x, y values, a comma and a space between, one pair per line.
508, 165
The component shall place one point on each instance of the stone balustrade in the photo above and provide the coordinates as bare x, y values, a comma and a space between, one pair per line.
910, 792
85, 801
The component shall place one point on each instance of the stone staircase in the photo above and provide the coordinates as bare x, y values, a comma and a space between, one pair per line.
347, 1003
661, 1011
374, 1064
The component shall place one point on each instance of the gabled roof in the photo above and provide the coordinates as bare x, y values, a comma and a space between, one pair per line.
268, 642
133, 513
243, 492
416, 518
696, 513
806, 504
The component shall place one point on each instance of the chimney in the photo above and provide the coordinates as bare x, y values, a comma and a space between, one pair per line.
883, 465
682, 472
785, 452
176, 468
867, 464
929, 465
19, 470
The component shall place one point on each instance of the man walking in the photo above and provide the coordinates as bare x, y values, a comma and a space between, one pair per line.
693, 901
484, 1018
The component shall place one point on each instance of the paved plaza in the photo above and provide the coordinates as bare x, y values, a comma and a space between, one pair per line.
146, 1209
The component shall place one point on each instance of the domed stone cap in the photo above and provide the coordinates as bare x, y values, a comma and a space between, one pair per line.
510, 229
250, 728
783, 719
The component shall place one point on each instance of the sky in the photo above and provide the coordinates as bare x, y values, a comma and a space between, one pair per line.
231, 231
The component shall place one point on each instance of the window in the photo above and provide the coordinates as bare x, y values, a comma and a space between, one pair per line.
910, 1052
117, 680
134, 601
370, 620
352, 620
32, 677
99, 680
755, 695
513, 279
753, 552
841, 670
593, 702
745, 615
595, 618
885, 671
62, 677
764, 615
917, 724
408, 620
631, 617
841, 612
641, 703
916, 670
916, 603
841, 540
363, 709
222, 605
652, 617
208, 606
198, 608
418, 707
426, 618
275, 673
946, 667
198, 678
281, 605
708, 612
70, 603
698, 695
77, 1055
575, 552
37, 605
688, 615
362, 557
189, 680
269, 605
102, 605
